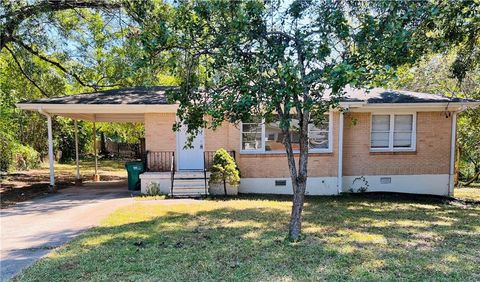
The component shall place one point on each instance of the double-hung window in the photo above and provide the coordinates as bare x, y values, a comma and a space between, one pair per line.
393, 132
252, 137
268, 137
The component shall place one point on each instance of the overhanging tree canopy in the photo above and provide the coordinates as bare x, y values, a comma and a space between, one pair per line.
255, 59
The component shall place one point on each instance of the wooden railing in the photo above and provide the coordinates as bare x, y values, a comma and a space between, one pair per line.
208, 158
160, 161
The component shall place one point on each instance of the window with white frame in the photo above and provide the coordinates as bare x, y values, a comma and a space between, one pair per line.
252, 136
268, 137
392, 132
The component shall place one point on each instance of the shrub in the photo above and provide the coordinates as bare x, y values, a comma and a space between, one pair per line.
14, 156
359, 185
153, 189
26, 157
6, 153
224, 169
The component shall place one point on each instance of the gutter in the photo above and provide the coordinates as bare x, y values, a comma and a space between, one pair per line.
453, 142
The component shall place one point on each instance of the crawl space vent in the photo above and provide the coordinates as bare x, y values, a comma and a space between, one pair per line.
385, 180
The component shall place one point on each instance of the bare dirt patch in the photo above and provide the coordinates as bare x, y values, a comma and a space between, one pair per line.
22, 186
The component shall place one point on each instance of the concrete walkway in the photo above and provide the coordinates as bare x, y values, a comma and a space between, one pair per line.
30, 230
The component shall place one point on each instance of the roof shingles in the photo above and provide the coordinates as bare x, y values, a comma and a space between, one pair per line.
156, 95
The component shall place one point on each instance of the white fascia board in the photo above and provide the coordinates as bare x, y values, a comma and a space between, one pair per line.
452, 106
96, 108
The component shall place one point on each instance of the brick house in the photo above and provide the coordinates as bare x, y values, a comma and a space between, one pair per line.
382, 140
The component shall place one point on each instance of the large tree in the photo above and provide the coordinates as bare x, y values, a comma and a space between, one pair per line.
264, 60
437, 74
55, 48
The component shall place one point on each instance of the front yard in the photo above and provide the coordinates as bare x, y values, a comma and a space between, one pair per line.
346, 238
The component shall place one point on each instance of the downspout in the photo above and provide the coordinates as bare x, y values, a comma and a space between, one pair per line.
50, 148
340, 154
453, 142
78, 178
96, 176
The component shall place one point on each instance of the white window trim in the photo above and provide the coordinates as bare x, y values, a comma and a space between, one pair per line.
252, 151
312, 151
390, 148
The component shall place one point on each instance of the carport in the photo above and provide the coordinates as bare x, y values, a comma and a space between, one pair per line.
117, 105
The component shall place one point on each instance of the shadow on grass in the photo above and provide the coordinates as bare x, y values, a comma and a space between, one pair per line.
345, 238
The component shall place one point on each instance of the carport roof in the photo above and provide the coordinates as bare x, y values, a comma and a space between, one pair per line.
154, 95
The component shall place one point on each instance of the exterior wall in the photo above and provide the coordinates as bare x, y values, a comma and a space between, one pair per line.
163, 179
424, 171
158, 132
262, 185
275, 164
270, 164
432, 155
431, 184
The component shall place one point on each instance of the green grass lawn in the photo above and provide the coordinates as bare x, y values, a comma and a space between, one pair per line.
346, 238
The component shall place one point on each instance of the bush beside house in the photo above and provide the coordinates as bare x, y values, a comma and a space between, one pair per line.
225, 176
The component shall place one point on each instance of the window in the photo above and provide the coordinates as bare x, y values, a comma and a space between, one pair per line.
274, 136
272, 141
319, 135
393, 132
252, 136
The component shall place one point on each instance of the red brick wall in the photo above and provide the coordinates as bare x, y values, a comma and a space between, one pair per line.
431, 157
432, 153
270, 165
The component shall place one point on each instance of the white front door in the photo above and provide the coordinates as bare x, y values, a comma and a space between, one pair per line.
189, 158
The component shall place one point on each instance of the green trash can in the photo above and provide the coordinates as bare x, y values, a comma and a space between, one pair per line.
134, 169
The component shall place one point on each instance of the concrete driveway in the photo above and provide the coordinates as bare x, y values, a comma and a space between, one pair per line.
30, 230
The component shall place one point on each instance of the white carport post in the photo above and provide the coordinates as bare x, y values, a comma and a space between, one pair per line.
96, 177
78, 178
50, 149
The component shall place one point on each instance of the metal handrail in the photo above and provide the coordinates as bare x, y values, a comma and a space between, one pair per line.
205, 174
172, 172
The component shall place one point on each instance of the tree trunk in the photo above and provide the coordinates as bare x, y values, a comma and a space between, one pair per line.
225, 186
295, 228
103, 145
299, 178
474, 178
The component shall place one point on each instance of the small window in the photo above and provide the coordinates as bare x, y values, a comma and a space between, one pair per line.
252, 136
392, 132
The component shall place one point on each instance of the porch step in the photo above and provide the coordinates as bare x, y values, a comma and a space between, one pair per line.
189, 184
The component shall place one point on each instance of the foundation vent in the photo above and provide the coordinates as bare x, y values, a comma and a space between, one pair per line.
385, 180
280, 182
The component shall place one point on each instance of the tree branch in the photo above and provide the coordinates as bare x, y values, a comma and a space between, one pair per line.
62, 68
15, 18
25, 74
